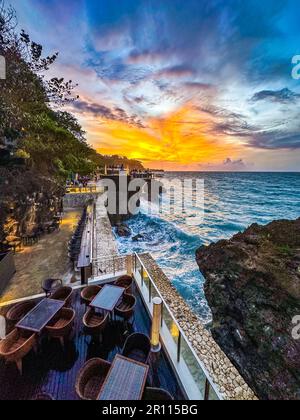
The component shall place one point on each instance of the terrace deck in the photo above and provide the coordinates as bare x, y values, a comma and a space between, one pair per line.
54, 371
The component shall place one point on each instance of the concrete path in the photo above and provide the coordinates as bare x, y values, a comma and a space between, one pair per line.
105, 244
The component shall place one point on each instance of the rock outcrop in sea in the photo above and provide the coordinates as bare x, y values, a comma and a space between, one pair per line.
253, 288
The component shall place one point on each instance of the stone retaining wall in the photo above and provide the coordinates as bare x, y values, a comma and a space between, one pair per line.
73, 201
230, 383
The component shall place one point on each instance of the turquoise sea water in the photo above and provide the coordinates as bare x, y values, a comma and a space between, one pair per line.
232, 202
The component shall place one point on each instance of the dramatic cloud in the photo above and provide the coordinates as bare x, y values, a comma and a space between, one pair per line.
115, 114
179, 84
282, 96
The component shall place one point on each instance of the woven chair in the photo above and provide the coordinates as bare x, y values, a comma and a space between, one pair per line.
125, 282
156, 394
137, 347
62, 325
50, 285
89, 293
91, 378
94, 323
16, 346
17, 312
64, 294
125, 308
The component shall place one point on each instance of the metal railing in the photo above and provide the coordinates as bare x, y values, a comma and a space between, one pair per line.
90, 189
184, 354
110, 266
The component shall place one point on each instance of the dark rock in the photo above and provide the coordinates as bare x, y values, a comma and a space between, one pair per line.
138, 237
28, 200
253, 288
123, 230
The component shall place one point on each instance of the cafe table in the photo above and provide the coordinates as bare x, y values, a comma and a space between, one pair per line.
125, 381
108, 298
40, 316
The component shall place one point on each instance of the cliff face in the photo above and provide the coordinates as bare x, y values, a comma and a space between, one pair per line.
27, 200
253, 288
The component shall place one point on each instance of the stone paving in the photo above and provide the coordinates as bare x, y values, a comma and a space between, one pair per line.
230, 383
105, 245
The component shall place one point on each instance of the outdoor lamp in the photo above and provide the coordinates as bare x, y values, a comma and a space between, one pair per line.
156, 324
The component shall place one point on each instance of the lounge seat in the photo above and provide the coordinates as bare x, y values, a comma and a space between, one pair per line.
125, 308
125, 282
157, 394
94, 323
16, 346
50, 285
17, 312
89, 293
64, 294
137, 347
62, 325
91, 378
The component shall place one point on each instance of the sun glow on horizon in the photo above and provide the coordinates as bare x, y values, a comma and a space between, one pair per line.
180, 139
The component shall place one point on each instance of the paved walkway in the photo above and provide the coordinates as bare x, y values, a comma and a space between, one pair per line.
105, 244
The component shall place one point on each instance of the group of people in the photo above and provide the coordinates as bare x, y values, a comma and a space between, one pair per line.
80, 181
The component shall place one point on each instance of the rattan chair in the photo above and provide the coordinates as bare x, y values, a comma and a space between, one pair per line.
137, 347
61, 326
125, 282
50, 285
89, 293
156, 394
64, 294
125, 308
91, 378
17, 312
16, 346
95, 324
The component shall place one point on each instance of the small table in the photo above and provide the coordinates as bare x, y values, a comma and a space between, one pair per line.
108, 298
37, 319
125, 381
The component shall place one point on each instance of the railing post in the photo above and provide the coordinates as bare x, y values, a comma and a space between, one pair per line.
142, 275
135, 262
207, 389
179, 348
150, 289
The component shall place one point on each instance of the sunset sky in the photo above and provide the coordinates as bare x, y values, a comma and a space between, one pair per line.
179, 84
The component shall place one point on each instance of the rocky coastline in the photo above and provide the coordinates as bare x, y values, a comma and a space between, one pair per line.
253, 289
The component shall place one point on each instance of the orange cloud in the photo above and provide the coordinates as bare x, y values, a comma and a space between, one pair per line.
183, 139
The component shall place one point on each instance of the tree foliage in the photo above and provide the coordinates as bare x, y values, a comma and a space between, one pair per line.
32, 123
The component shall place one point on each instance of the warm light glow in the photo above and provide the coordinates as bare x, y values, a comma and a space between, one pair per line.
185, 137
156, 324
174, 330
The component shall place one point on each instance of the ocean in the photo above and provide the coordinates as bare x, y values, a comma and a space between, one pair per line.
232, 202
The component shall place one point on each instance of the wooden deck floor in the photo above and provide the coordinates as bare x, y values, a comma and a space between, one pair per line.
54, 371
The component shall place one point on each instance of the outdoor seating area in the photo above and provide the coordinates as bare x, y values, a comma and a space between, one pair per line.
15, 242
78, 344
